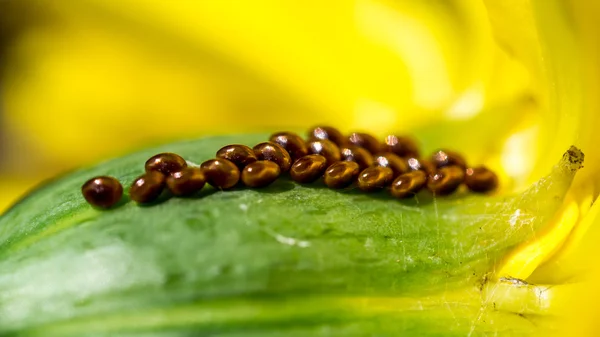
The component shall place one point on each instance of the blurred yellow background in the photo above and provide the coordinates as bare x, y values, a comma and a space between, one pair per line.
511, 83
86, 80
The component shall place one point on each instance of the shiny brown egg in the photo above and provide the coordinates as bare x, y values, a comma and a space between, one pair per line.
327, 133
292, 143
357, 154
401, 146
443, 158
446, 180
148, 187
341, 174
102, 191
221, 173
366, 141
327, 149
275, 153
397, 164
261, 173
375, 178
308, 168
408, 184
240, 155
481, 179
421, 164
165, 163
188, 181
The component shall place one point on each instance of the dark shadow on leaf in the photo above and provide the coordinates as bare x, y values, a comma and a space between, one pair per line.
205, 192
285, 184
123, 201
164, 196
421, 198
281, 185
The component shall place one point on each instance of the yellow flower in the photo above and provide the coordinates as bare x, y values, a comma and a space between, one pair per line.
512, 83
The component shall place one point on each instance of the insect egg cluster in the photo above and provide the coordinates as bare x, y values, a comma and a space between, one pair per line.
340, 161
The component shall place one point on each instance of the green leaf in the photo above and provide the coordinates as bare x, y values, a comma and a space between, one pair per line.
285, 260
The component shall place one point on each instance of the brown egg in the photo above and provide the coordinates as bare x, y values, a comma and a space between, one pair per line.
401, 146
294, 144
275, 153
147, 187
446, 180
424, 165
366, 141
102, 191
165, 163
260, 173
341, 174
357, 154
443, 158
397, 164
240, 155
326, 149
408, 184
308, 168
328, 133
481, 179
375, 178
188, 181
221, 173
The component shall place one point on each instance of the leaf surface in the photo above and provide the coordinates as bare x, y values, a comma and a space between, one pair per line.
290, 259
